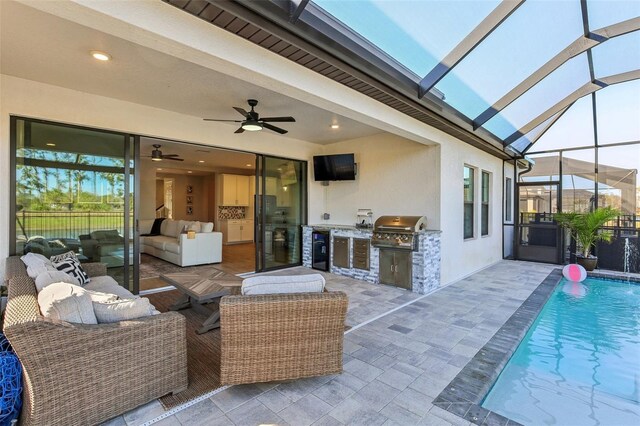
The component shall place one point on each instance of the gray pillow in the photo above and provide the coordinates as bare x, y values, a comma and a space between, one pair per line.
49, 277
270, 284
123, 310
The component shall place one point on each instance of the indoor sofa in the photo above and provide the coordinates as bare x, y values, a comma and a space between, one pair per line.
82, 374
175, 246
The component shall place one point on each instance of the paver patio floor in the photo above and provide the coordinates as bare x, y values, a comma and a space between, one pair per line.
393, 366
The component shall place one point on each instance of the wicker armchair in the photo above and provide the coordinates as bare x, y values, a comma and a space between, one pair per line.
77, 374
281, 336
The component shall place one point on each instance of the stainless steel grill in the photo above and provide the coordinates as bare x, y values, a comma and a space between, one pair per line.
397, 231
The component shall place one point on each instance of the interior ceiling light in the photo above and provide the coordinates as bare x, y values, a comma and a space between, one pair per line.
158, 169
51, 144
189, 171
200, 161
251, 126
248, 164
101, 56
335, 126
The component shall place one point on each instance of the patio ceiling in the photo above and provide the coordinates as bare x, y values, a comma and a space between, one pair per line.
492, 73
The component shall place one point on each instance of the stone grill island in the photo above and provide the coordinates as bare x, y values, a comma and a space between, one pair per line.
425, 261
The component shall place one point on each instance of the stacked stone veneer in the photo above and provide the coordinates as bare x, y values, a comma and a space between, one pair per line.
426, 261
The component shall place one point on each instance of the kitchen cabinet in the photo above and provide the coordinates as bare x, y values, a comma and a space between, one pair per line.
341, 252
234, 190
237, 230
396, 268
282, 193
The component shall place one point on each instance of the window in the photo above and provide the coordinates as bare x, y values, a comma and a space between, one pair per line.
508, 200
469, 189
484, 211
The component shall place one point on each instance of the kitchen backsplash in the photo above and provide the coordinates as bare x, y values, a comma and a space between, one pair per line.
231, 212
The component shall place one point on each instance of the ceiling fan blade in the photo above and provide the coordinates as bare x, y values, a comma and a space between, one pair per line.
230, 121
241, 111
172, 158
171, 155
240, 130
274, 128
279, 119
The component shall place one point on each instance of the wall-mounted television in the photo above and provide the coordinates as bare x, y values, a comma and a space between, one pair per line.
334, 167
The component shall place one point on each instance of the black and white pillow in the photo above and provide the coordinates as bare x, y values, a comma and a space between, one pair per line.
64, 256
73, 268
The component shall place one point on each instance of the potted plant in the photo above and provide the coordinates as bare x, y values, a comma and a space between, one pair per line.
586, 228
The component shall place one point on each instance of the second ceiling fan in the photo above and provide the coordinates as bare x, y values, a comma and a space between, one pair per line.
252, 121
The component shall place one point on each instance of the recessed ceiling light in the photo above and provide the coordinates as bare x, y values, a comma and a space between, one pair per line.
200, 161
158, 169
51, 144
101, 56
189, 171
248, 164
335, 126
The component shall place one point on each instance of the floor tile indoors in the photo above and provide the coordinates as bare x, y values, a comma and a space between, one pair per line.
394, 366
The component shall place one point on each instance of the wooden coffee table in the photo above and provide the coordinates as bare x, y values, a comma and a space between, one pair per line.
202, 289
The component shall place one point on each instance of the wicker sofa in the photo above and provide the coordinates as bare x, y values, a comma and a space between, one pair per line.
77, 374
281, 336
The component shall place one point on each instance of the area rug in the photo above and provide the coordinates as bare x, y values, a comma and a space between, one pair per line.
151, 267
203, 353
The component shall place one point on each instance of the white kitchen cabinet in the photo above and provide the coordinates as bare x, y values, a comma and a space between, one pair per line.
234, 190
237, 230
283, 196
247, 230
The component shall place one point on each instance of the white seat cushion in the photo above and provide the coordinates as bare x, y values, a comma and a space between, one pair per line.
49, 277
123, 310
270, 284
172, 247
160, 241
106, 284
67, 302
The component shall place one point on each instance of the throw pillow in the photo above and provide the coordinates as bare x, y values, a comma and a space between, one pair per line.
50, 277
30, 259
123, 310
64, 256
98, 297
171, 229
39, 268
206, 227
73, 268
67, 302
311, 283
193, 226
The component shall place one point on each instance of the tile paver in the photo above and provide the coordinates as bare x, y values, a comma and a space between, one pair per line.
447, 329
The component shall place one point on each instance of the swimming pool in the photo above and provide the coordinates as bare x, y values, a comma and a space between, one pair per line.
579, 363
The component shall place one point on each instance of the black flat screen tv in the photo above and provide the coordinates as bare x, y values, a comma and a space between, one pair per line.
334, 167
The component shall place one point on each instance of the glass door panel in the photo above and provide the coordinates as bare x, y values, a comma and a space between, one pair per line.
538, 237
282, 211
73, 193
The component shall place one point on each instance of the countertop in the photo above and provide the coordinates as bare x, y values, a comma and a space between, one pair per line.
327, 226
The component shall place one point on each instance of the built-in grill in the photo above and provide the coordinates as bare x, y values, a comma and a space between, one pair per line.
398, 232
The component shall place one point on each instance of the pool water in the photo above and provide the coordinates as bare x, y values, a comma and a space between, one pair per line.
579, 363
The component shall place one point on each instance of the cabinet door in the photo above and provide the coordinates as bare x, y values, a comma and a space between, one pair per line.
242, 190
234, 232
247, 230
341, 252
403, 269
387, 266
229, 190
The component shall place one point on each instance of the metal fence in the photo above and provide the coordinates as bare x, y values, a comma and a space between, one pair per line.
69, 224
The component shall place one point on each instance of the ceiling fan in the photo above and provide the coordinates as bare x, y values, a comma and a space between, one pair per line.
157, 155
252, 121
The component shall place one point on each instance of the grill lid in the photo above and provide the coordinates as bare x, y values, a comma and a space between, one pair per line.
401, 223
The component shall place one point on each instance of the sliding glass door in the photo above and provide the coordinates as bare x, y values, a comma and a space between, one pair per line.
74, 191
281, 210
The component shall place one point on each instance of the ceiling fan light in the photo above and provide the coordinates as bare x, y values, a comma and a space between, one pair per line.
251, 126
156, 159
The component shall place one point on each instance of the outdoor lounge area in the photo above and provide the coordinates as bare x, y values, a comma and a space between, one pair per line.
319, 212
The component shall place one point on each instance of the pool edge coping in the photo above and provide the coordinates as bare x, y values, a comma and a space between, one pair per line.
463, 395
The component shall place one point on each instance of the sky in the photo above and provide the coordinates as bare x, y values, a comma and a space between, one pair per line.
419, 34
